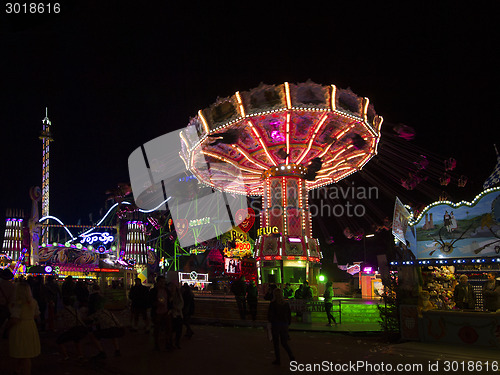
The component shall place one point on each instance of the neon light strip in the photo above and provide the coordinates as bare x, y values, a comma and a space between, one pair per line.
351, 125
255, 179
249, 158
102, 219
365, 160
337, 169
318, 126
268, 186
332, 98
365, 108
186, 163
354, 156
183, 138
287, 95
283, 204
224, 169
301, 205
154, 209
326, 150
240, 104
288, 137
380, 123
333, 159
60, 222
331, 169
344, 175
191, 160
223, 158
204, 121
454, 205
261, 142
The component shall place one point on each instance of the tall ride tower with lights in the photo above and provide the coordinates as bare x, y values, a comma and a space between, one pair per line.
46, 138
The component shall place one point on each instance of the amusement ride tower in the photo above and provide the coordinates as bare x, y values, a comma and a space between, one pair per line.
46, 138
285, 140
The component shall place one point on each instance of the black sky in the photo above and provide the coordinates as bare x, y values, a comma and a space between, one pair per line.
116, 74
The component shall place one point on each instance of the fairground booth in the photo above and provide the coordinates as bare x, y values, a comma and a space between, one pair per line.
445, 241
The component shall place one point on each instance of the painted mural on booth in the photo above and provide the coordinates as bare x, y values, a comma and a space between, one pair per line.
447, 230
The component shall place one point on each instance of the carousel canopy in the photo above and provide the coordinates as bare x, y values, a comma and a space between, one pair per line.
320, 133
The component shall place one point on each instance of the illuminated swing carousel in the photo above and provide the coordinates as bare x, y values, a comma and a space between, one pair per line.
283, 140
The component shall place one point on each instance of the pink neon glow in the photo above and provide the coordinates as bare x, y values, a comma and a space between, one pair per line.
294, 239
275, 134
367, 269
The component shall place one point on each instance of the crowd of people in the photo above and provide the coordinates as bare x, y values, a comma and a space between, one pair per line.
171, 309
75, 311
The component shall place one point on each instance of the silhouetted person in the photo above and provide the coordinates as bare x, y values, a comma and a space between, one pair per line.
68, 289
7, 290
82, 295
40, 295
175, 306
491, 293
53, 296
229, 137
252, 299
106, 324
188, 310
162, 321
239, 290
24, 342
299, 292
307, 292
73, 329
288, 291
270, 292
328, 296
464, 294
280, 317
139, 296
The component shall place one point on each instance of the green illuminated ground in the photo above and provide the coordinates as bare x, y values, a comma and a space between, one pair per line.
352, 313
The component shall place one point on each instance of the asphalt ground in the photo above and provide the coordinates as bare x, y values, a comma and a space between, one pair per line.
217, 349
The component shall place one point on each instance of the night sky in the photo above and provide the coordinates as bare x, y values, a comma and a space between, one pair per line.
115, 74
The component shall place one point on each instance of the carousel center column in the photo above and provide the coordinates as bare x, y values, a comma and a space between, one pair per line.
285, 244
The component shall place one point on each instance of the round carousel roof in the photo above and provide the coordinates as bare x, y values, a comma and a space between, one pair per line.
320, 133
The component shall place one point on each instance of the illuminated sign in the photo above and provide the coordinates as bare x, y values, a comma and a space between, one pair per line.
352, 270
238, 236
265, 231
198, 250
198, 222
91, 238
238, 252
194, 278
232, 265
106, 270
